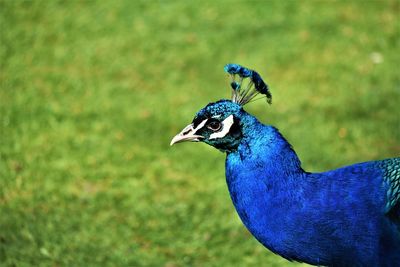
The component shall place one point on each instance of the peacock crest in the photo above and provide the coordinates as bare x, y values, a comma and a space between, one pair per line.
246, 85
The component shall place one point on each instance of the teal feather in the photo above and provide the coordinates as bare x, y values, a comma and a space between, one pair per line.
391, 176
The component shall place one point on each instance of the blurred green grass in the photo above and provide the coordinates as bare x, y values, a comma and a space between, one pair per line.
92, 92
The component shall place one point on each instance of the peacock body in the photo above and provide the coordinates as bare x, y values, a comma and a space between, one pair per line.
344, 217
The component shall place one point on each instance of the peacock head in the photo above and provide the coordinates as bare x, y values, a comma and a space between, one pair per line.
221, 124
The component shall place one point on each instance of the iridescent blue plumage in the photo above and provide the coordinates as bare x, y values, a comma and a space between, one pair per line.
344, 217
237, 69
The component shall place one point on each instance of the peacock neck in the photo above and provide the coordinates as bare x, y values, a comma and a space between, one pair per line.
264, 178
263, 147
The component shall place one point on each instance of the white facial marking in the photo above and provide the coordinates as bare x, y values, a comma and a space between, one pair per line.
226, 126
201, 124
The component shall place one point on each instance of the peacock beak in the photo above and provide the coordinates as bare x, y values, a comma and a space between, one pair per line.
188, 134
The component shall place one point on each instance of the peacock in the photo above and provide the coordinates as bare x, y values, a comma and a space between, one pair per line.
344, 217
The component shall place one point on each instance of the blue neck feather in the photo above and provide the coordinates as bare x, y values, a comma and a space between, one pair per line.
264, 145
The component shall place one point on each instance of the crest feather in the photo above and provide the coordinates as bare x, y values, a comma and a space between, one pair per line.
255, 86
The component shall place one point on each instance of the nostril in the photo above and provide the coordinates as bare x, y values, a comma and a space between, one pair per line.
186, 132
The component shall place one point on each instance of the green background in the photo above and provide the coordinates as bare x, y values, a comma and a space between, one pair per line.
93, 91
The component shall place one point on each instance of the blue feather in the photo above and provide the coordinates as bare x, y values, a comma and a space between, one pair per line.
237, 69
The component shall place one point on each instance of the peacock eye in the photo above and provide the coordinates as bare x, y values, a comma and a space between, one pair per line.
214, 125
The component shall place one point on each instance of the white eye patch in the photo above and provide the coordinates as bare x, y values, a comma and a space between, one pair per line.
201, 124
226, 126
